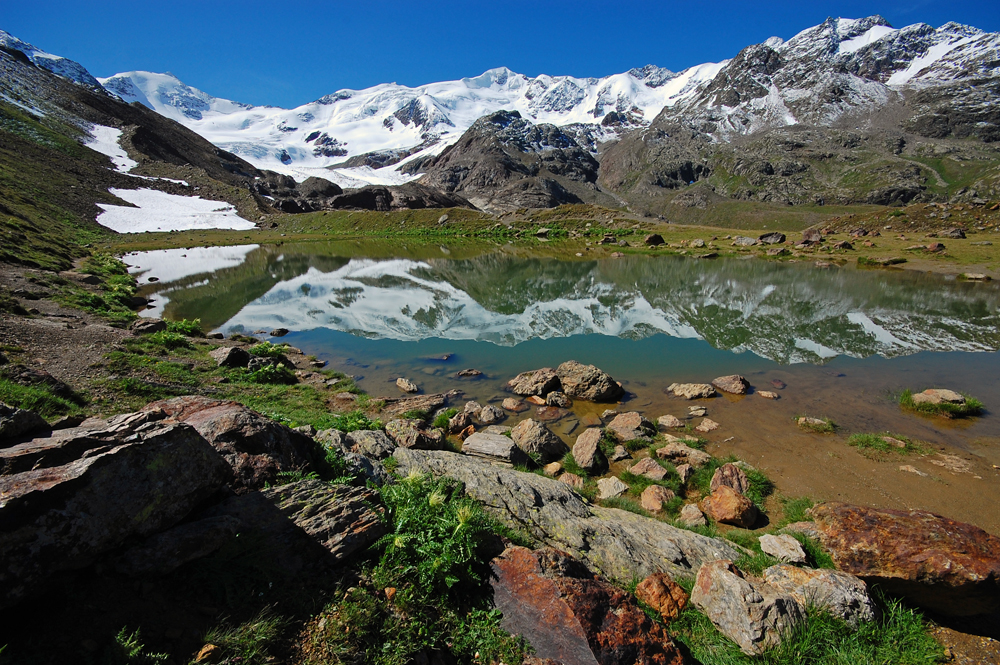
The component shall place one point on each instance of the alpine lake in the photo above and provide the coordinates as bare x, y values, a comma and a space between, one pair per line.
834, 342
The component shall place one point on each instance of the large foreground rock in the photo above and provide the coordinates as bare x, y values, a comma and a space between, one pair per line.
935, 562
570, 616
256, 447
65, 517
754, 615
536, 382
619, 544
840, 594
587, 382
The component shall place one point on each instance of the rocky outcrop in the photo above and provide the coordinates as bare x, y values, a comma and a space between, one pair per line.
935, 562
537, 382
535, 438
587, 382
495, 448
619, 544
571, 616
256, 447
840, 594
754, 615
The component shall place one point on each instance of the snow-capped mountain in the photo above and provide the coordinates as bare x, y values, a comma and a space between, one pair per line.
54, 63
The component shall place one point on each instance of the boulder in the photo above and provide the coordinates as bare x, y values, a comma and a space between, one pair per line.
537, 382
734, 384
572, 480
955, 233
139, 482
619, 454
409, 434
935, 562
341, 518
731, 476
459, 422
782, 547
938, 396
727, 506
148, 326
649, 468
838, 593
571, 616
515, 405
495, 448
691, 390
15, 423
610, 488
370, 443
691, 515
230, 356
663, 595
535, 438
755, 616
654, 496
631, 426
811, 237
669, 422
165, 552
684, 471
620, 544
587, 451
772, 238
653, 239
560, 399
680, 453
707, 425
473, 408
406, 385
490, 414
587, 382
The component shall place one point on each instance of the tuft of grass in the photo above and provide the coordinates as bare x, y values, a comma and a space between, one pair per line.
442, 418
128, 650
760, 488
626, 503
796, 510
816, 556
826, 427
570, 466
187, 328
350, 422
868, 444
251, 642
38, 398
972, 406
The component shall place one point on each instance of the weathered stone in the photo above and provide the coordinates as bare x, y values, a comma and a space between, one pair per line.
459, 422
570, 616
838, 593
691, 515
610, 488
65, 517
755, 616
257, 448
654, 496
553, 469
468, 373
395, 407
15, 423
669, 422
339, 517
935, 562
653, 239
731, 476
691, 390
707, 425
648, 467
560, 399
679, 453
165, 552
772, 238
473, 408
811, 237
768, 394
620, 453
515, 405
783, 548
495, 448
733, 384
631, 426
406, 385
938, 396
572, 480
662, 594
230, 356
408, 434
148, 326
727, 506
535, 438
536, 400
490, 414
503, 430
587, 451
537, 382
370, 443
620, 544
587, 382
684, 471
697, 411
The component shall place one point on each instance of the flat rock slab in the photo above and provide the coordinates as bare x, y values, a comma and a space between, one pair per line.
395, 407
935, 562
691, 390
610, 488
783, 548
495, 448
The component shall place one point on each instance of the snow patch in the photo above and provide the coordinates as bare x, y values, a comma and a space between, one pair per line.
105, 141
871, 36
159, 211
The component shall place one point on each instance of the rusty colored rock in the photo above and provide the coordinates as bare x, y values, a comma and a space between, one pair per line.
587, 450
570, 615
663, 595
733, 384
631, 426
732, 476
648, 467
536, 400
654, 496
728, 506
537, 382
935, 562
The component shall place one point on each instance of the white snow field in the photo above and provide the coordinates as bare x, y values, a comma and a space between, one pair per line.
159, 211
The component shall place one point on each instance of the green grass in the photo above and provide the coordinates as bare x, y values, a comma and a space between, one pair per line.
128, 650
267, 349
38, 398
868, 443
570, 466
826, 427
251, 642
756, 562
796, 509
187, 328
972, 406
159, 343
350, 422
441, 421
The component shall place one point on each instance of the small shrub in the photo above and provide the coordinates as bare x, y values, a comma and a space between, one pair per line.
128, 650
272, 374
352, 422
185, 327
442, 418
971, 407
268, 350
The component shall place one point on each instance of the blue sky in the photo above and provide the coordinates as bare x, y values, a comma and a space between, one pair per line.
286, 54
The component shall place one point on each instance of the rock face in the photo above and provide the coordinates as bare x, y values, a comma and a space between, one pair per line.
15, 423
755, 616
587, 382
840, 594
535, 438
733, 384
256, 447
165, 552
538, 382
631, 426
728, 506
587, 451
571, 616
731, 476
339, 517
935, 562
691, 390
495, 448
663, 595
230, 356
64, 517
783, 548
619, 544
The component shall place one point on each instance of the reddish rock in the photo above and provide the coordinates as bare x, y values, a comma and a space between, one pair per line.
571, 479
537, 382
732, 476
550, 414
571, 616
728, 506
935, 562
587, 450
515, 405
654, 496
733, 384
663, 595
588, 382
648, 467
631, 426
